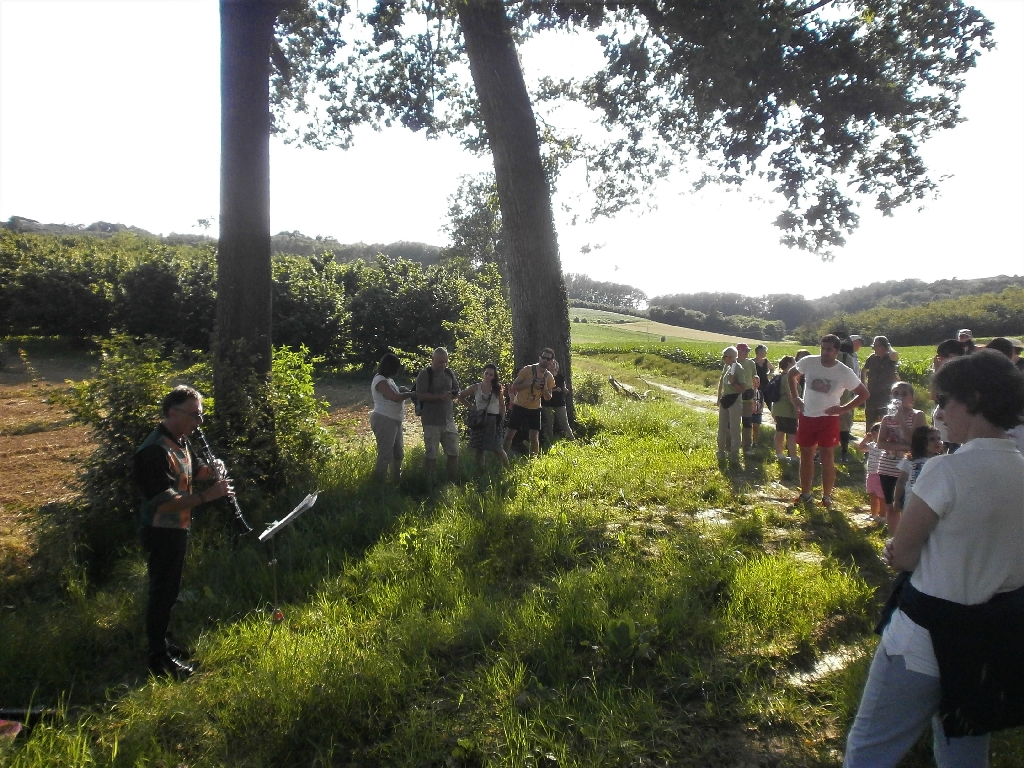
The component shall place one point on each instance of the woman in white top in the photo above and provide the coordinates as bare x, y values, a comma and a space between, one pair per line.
488, 396
962, 536
386, 417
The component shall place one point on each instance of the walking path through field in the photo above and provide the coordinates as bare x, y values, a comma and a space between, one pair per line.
706, 403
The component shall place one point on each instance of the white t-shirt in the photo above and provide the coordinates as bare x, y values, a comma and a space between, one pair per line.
1017, 435
383, 406
977, 548
490, 401
940, 425
823, 387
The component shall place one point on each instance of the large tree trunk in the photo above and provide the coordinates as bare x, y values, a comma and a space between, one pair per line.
540, 307
243, 352
243, 256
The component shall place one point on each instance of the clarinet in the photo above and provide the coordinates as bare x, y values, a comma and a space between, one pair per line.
211, 461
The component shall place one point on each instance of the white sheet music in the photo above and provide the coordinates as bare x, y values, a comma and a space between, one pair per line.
277, 525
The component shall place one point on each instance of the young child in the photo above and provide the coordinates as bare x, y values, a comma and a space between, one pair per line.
924, 443
872, 481
755, 417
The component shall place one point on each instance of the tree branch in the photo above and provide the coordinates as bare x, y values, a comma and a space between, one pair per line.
813, 7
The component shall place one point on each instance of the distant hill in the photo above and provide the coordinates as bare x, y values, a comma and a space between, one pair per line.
283, 242
902, 294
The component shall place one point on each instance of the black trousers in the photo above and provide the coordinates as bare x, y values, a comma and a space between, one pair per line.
166, 548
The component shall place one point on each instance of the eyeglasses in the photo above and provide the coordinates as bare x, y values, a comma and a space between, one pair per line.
197, 415
546, 357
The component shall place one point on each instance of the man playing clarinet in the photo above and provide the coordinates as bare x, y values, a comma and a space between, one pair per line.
165, 470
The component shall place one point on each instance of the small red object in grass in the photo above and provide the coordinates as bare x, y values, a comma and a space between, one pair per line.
9, 729
278, 616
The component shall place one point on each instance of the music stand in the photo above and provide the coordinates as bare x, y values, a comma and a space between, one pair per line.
276, 614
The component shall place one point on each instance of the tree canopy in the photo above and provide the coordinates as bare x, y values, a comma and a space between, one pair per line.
829, 101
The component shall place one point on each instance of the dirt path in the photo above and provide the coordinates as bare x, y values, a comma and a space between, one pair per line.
696, 400
706, 403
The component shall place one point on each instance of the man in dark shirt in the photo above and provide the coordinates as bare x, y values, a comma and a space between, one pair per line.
164, 473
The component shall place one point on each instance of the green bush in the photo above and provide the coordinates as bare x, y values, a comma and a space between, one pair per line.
121, 405
309, 307
588, 388
171, 296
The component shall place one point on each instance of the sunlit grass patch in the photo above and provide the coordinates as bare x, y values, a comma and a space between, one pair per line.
779, 603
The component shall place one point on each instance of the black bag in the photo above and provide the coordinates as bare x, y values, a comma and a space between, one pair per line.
773, 392
729, 399
476, 419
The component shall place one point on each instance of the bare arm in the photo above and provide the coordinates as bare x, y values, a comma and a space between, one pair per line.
389, 394
903, 551
861, 394
794, 388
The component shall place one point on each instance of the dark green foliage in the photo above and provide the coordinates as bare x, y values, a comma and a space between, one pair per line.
309, 306
991, 314
741, 325
584, 289
121, 406
397, 306
86, 286
903, 294
170, 296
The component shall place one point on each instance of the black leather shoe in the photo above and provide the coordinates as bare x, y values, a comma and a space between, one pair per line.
177, 651
165, 665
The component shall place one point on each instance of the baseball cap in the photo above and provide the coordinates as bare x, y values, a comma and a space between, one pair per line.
965, 332
1017, 346
741, 345
856, 337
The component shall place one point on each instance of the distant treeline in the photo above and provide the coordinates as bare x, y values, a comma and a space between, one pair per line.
987, 314
609, 308
294, 243
901, 294
80, 287
581, 288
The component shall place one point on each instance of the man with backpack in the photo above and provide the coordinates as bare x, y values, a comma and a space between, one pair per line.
436, 390
533, 384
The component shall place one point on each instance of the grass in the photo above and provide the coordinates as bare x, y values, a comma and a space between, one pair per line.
597, 326
618, 601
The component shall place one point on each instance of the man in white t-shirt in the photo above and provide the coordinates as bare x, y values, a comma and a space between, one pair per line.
825, 380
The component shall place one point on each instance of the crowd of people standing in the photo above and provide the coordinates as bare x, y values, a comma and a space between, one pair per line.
952, 496
533, 404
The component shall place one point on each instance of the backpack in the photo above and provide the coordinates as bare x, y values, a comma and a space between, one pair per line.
773, 392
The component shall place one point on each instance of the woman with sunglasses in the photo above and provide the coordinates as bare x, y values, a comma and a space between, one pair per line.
950, 650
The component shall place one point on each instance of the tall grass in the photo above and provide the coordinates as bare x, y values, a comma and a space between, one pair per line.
574, 611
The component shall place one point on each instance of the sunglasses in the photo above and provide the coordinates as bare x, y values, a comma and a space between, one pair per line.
545, 357
942, 400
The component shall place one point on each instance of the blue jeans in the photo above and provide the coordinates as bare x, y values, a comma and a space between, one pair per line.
893, 712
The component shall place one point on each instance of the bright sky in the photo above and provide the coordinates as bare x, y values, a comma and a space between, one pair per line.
109, 110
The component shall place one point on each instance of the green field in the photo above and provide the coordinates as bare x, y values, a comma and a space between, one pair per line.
602, 326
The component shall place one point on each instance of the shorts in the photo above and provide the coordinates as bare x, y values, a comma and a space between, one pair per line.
522, 419
822, 431
873, 485
447, 436
888, 486
785, 425
751, 420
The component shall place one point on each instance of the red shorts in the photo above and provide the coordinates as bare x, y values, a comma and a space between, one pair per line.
818, 430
